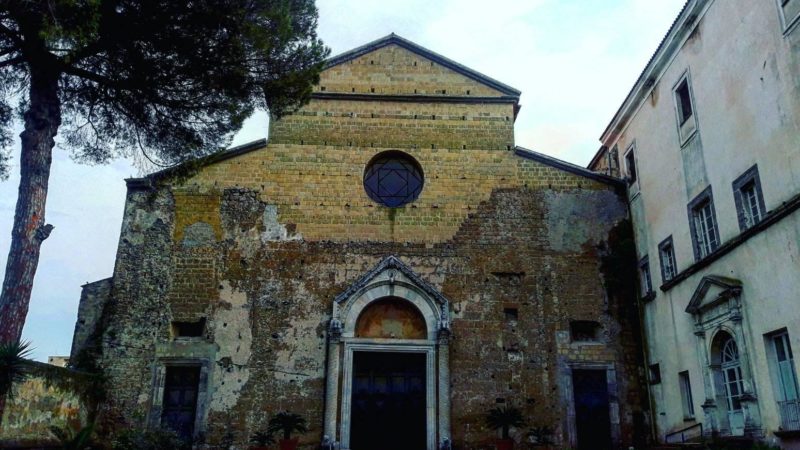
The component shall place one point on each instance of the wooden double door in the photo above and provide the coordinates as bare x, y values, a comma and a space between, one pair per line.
388, 401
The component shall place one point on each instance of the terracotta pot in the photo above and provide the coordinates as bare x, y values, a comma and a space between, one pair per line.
288, 444
504, 444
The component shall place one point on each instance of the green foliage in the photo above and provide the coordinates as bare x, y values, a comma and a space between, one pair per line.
171, 79
541, 434
618, 263
262, 438
504, 418
158, 439
13, 367
286, 422
763, 446
74, 440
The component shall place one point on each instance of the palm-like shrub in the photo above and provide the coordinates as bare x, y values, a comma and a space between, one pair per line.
13, 367
74, 439
262, 439
504, 418
154, 439
287, 423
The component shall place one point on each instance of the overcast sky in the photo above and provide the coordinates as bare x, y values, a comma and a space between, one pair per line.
574, 62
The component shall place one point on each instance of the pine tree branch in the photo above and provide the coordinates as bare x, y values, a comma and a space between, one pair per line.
11, 62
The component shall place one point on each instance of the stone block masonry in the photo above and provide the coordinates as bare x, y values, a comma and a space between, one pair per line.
257, 246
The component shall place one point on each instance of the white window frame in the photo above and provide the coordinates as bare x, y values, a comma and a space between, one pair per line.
687, 400
789, 23
666, 256
785, 369
703, 224
646, 278
632, 176
688, 128
749, 199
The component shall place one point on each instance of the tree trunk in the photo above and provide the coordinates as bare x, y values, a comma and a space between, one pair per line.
29, 230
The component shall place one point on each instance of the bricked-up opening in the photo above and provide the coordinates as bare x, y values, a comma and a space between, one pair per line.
393, 179
391, 318
654, 373
511, 314
584, 330
188, 329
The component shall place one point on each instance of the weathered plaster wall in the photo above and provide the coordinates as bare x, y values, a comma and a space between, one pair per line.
744, 70
36, 407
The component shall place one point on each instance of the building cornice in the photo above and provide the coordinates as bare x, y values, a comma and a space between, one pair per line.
774, 216
680, 30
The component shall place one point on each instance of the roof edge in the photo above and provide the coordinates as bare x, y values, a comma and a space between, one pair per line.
200, 162
567, 167
680, 28
416, 48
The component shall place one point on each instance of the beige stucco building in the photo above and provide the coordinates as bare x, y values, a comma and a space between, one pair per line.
709, 142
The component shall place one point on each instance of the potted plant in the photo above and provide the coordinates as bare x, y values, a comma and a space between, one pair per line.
287, 423
541, 437
261, 440
503, 419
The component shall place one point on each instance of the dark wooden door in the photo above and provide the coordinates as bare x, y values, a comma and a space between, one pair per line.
180, 399
592, 417
388, 401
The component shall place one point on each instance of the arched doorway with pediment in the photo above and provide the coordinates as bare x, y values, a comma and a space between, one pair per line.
387, 379
727, 372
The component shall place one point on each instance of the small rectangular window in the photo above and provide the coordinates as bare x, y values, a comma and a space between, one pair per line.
684, 108
666, 253
584, 330
684, 100
686, 395
630, 165
748, 198
188, 329
644, 277
703, 222
654, 372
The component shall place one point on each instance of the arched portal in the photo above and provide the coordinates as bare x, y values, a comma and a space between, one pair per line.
388, 356
728, 376
391, 318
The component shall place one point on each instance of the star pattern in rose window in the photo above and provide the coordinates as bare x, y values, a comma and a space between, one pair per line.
393, 179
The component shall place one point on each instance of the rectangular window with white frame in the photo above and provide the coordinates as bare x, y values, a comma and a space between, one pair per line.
686, 395
645, 279
790, 13
685, 108
703, 224
748, 198
630, 165
666, 254
784, 376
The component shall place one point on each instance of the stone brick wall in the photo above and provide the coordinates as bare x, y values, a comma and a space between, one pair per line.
259, 244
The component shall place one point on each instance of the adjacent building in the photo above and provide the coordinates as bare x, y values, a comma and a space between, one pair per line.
708, 142
388, 264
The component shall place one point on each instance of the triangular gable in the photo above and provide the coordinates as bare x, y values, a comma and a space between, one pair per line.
392, 262
711, 291
393, 39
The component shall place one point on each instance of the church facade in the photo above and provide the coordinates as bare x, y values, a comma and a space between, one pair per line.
388, 264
